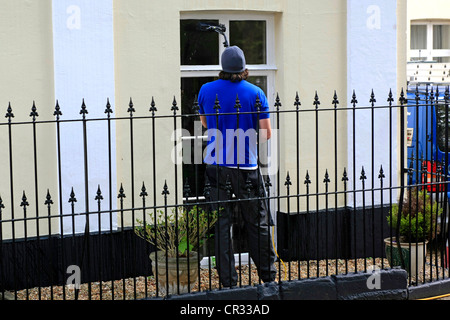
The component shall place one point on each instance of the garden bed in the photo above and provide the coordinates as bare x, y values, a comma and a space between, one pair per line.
145, 287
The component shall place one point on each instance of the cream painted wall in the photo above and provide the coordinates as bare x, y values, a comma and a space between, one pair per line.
312, 58
431, 9
147, 65
26, 67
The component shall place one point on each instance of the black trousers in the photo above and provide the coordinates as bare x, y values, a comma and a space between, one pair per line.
245, 184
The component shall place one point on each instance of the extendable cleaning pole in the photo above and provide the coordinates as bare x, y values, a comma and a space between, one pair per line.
215, 28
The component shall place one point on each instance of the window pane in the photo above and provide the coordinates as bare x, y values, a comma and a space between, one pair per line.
193, 169
198, 47
190, 87
418, 37
250, 36
441, 37
260, 81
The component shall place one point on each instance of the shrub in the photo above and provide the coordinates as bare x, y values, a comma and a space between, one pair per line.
418, 217
178, 232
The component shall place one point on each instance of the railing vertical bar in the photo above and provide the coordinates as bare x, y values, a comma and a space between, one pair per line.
237, 107
99, 198
267, 185
316, 104
364, 228
86, 197
165, 192
153, 111
49, 202
417, 202
186, 193
10, 115
217, 197
35, 114
354, 102
307, 182
402, 171
297, 136
437, 179
174, 108
207, 194
424, 172
434, 162
57, 113
197, 146
344, 180
133, 241
390, 100
287, 183
335, 102
258, 185
144, 194
427, 107
121, 195
74, 250
108, 112
372, 122
25, 204
381, 176
326, 181
277, 112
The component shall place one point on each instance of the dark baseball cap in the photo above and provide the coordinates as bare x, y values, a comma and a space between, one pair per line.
233, 60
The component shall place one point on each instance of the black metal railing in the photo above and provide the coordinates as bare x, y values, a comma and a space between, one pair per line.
330, 177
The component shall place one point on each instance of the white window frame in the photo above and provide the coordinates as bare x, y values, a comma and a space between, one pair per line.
267, 70
429, 53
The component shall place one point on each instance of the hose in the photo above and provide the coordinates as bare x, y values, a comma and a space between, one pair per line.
273, 244
436, 297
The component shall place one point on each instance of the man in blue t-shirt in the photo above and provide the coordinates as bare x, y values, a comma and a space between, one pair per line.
235, 113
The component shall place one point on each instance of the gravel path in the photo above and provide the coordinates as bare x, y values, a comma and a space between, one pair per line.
141, 287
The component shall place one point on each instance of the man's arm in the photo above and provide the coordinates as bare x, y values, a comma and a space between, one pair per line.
265, 130
203, 120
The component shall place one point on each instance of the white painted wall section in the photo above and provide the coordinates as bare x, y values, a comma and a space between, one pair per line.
84, 69
372, 65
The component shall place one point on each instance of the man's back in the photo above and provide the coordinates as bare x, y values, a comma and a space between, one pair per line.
226, 93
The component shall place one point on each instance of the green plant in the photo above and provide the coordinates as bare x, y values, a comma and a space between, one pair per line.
177, 232
418, 217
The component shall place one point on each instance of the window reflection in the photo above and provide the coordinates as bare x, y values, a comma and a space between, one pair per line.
250, 36
259, 81
198, 47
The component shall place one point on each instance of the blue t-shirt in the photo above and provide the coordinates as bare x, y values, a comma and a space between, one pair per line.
232, 145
